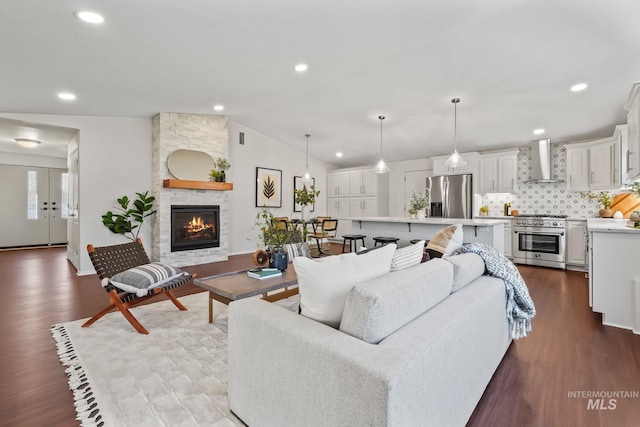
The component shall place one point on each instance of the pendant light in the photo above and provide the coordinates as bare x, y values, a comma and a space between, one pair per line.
307, 174
455, 160
381, 166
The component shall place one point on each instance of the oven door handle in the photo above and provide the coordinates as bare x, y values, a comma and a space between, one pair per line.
539, 232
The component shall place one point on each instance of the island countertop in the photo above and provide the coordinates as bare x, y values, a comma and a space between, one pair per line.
432, 221
607, 225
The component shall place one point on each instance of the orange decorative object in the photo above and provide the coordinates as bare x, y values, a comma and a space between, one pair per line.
514, 212
626, 203
260, 258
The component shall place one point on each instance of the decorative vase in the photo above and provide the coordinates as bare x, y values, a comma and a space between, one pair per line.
279, 259
221, 177
420, 214
412, 216
305, 212
606, 213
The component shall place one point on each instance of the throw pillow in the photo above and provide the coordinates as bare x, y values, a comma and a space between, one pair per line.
408, 256
297, 249
446, 240
324, 286
140, 279
466, 269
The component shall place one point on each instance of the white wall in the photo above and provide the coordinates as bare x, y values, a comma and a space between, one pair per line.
115, 159
29, 160
262, 151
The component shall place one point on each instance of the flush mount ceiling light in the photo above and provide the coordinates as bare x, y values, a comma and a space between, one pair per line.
338, 154
90, 17
301, 68
28, 143
578, 87
538, 131
381, 166
66, 96
455, 160
218, 107
307, 175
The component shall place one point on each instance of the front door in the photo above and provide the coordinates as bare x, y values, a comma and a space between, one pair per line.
32, 211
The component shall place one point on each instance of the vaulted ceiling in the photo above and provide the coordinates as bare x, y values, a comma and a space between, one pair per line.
511, 62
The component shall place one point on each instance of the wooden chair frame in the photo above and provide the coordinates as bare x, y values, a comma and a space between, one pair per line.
327, 226
110, 260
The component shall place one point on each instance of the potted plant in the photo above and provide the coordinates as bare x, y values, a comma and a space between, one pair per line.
412, 213
274, 236
123, 221
306, 197
418, 203
219, 173
484, 210
604, 199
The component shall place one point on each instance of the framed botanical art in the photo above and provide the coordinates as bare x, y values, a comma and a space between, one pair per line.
298, 183
268, 187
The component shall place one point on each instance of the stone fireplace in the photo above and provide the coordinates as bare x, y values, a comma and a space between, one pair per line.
207, 133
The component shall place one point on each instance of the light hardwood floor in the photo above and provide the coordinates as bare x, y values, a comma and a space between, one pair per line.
568, 351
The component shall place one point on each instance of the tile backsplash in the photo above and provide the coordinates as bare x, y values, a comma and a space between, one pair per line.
539, 198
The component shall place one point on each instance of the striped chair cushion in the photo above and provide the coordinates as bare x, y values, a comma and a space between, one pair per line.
297, 249
408, 256
141, 279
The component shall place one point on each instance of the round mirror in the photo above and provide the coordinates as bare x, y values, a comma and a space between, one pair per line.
190, 165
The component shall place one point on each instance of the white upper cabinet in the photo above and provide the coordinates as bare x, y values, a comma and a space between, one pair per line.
620, 161
632, 155
498, 172
363, 183
337, 184
593, 165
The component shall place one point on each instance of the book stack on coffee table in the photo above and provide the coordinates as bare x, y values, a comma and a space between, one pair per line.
264, 273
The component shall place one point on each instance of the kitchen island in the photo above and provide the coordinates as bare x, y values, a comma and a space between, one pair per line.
614, 272
489, 231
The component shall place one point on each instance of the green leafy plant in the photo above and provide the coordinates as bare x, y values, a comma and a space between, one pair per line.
221, 166
127, 220
418, 201
635, 188
274, 234
484, 209
604, 198
306, 196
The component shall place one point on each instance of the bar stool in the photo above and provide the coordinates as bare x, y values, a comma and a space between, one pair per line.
353, 241
384, 240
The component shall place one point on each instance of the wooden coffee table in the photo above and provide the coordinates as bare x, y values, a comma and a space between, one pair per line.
238, 285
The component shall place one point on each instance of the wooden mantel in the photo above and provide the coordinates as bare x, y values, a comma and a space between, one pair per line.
197, 185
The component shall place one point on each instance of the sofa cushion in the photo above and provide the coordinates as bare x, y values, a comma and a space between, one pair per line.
323, 286
378, 307
465, 269
446, 240
408, 256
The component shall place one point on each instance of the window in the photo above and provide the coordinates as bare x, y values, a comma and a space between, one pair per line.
32, 195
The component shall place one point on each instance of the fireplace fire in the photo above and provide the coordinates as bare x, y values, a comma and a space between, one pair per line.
195, 227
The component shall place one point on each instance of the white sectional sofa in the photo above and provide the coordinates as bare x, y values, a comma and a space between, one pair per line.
416, 347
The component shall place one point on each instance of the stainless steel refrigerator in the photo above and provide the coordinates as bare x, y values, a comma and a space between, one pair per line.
451, 196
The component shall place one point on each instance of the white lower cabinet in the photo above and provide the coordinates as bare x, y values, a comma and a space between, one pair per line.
576, 247
508, 238
340, 208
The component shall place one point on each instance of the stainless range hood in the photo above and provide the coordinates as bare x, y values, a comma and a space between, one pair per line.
541, 162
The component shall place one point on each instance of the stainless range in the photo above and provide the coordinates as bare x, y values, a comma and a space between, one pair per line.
539, 240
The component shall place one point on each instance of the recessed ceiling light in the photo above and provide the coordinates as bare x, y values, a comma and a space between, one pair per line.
538, 131
338, 154
301, 68
578, 87
66, 96
28, 143
90, 17
218, 107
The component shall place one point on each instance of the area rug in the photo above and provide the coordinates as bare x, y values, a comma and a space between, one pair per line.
175, 376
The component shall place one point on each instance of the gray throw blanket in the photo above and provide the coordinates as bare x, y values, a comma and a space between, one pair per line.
520, 308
